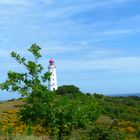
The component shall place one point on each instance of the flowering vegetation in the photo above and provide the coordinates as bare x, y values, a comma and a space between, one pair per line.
11, 125
120, 118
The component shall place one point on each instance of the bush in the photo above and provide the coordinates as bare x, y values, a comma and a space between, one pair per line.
69, 90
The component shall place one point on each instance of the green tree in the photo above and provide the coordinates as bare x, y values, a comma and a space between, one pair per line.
69, 90
32, 79
59, 113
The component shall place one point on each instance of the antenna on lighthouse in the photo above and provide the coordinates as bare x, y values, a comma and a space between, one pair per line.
53, 78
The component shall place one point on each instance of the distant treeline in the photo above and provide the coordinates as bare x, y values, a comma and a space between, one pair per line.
126, 94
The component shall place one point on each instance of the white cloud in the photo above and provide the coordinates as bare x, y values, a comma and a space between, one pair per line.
123, 1
48, 1
70, 28
60, 48
69, 8
103, 53
118, 64
117, 32
13, 2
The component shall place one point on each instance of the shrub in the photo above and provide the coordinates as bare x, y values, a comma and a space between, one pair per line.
69, 90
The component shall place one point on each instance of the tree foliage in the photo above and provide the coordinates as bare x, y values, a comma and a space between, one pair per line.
33, 79
68, 90
60, 113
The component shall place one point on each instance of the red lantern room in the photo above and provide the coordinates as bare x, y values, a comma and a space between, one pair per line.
51, 61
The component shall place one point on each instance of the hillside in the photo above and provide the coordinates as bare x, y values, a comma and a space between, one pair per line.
10, 105
119, 119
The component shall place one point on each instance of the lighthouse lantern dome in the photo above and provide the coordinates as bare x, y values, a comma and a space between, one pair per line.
51, 61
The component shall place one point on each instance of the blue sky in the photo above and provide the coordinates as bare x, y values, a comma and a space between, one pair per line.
95, 43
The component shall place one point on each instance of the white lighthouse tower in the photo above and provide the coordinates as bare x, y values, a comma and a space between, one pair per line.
53, 78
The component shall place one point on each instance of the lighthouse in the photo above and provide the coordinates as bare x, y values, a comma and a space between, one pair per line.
53, 78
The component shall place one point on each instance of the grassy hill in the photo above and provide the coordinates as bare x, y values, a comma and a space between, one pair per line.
10, 105
119, 119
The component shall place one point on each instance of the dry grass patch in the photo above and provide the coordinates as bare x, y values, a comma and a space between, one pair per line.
10, 105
